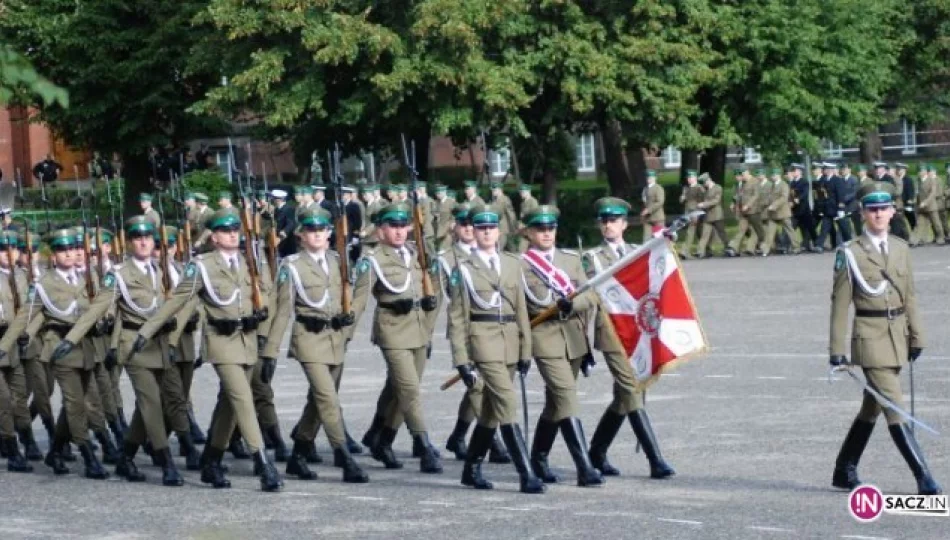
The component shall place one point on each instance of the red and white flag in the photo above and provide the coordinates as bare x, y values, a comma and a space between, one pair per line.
648, 302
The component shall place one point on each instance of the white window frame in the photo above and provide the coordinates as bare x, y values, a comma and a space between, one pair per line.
223, 159
751, 156
499, 161
832, 150
908, 138
672, 157
585, 152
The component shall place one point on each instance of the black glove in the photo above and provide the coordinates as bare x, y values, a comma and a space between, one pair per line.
268, 369
565, 306
101, 327
428, 303
139, 344
199, 362
915, 353
111, 359
524, 365
61, 350
342, 320
468, 375
587, 364
261, 343
172, 354
23, 340
838, 360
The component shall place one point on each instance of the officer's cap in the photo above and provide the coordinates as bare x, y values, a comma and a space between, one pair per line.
171, 233
461, 213
843, 165
278, 194
483, 214
224, 218
546, 214
62, 238
398, 188
738, 171
105, 236
145, 197
368, 188
451, 193
440, 188
651, 173
880, 164
690, 172
828, 165
798, 166
760, 171
776, 170
876, 194
862, 167
348, 189
471, 183
319, 187
305, 190
611, 207
21, 241
201, 197
705, 177
189, 195
901, 166
396, 214
313, 218
524, 187
495, 184
139, 226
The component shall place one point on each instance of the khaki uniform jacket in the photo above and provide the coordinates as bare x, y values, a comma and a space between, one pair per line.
369, 228
15, 323
384, 274
448, 259
445, 218
476, 200
712, 204
61, 296
320, 298
474, 286
927, 196
222, 294
152, 215
506, 214
184, 341
749, 204
556, 338
693, 196
594, 261
779, 207
876, 342
653, 199
143, 301
764, 199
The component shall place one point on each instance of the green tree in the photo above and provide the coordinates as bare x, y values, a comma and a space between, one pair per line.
18, 75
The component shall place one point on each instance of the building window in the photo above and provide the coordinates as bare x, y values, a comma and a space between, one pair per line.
908, 137
831, 150
751, 156
672, 157
500, 161
585, 153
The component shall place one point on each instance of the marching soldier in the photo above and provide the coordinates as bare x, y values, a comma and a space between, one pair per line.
628, 396
471, 193
506, 213
428, 217
145, 201
899, 225
39, 378
652, 214
222, 284
713, 219
747, 211
799, 194
14, 413
401, 329
848, 198
444, 210
306, 199
874, 274
374, 202
693, 194
838, 189
779, 214
528, 204
309, 285
905, 183
490, 335
928, 207
559, 345
198, 218
284, 222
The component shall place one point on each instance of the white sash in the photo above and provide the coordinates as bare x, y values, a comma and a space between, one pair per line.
301, 293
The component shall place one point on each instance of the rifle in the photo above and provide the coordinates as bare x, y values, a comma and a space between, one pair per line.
49, 224
417, 220
256, 300
342, 229
271, 241
163, 262
100, 256
13, 286
86, 250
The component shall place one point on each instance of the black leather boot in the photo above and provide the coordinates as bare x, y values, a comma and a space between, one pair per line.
270, 478
482, 438
110, 454
54, 459
126, 467
352, 472
297, 464
170, 475
67, 453
280, 449
846, 466
30, 450
419, 451
15, 461
644, 432
498, 453
429, 462
369, 438
150, 452
211, 470
188, 449
238, 447
907, 444
312, 455
573, 434
265, 436
514, 440
383, 450
456, 441
352, 446
94, 469
607, 429
116, 428
544, 435
197, 436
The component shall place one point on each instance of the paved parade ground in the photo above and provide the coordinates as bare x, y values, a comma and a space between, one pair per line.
752, 429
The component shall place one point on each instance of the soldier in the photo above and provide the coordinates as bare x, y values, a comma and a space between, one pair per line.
354, 219
506, 212
224, 200
627, 393
799, 197
747, 210
490, 335
943, 201
306, 199
373, 202
309, 285
471, 193
47, 170
693, 194
285, 222
135, 289
874, 273
652, 214
899, 225
780, 213
713, 219
14, 413
908, 192
839, 191
198, 219
528, 204
428, 216
559, 344
928, 207
848, 197
145, 201
39, 378
443, 212
224, 289
401, 329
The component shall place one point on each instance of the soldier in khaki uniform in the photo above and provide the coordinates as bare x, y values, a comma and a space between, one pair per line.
652, 214
490, 336
222, 283
310, 288
780, 214
444, 210
714, 219
627, 394
368, 236
944, 200
145, 201
873, 272
747, 208
693, 195
528, 204
559, 345
401, 329
14, 414
471, 193
502, 206
928, 207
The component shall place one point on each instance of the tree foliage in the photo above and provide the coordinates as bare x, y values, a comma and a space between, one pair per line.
17, 76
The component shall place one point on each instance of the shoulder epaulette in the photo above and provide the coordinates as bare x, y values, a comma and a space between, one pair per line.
293, 258
570, 252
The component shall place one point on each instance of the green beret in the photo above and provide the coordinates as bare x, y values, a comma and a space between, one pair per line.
139, 225
62, 238
201, 197
394, 214
876, 194
612, 207
546, 214
483, 214
145, 196
460, 212
222, 195
223, 218
9, 238
314, 217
